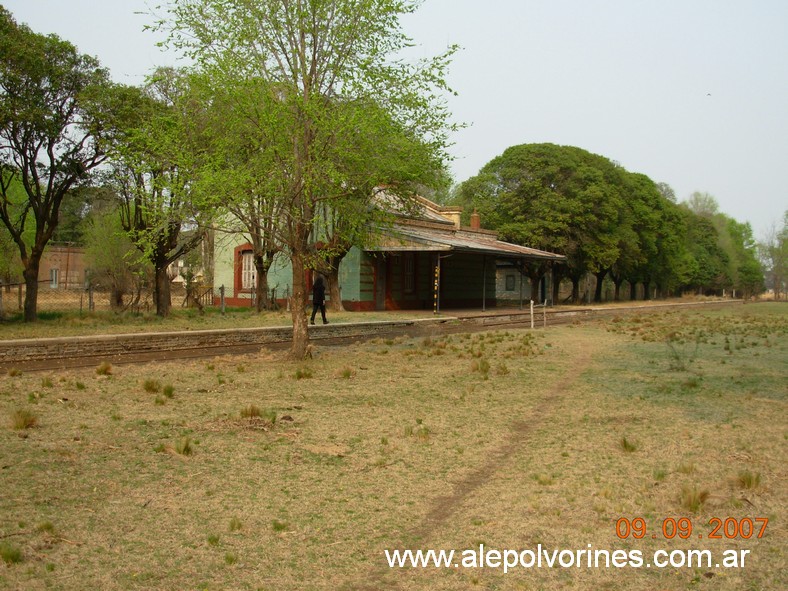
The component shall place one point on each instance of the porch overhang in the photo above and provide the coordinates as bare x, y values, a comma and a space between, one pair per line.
410, 238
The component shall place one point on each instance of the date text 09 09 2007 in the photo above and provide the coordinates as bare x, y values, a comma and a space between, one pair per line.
718, 528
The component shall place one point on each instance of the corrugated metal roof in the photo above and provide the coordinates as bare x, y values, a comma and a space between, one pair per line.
410, 238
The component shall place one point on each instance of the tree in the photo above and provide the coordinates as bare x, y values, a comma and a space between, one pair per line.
153, 169
746, 268
556, 198
113, 260
702, 204
54, 104
315, 56
11, 267
236, 175
773, 251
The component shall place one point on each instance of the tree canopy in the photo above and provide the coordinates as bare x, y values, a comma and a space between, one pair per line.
323, 69
605, 219
55, 106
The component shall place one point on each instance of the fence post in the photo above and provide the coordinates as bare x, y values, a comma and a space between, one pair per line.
19, 292
544, 315
221, 298
91, 303
532, 314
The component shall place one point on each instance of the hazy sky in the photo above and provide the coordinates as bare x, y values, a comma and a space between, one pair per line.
693, 93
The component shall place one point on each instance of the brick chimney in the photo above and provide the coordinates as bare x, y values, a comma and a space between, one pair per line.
476, 220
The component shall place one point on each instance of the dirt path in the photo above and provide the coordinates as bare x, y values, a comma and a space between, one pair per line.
443, 508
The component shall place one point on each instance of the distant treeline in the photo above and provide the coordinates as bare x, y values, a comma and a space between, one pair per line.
611, 223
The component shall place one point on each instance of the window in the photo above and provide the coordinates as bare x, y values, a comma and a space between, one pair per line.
409, 273
53, 278
247, 270
510, 282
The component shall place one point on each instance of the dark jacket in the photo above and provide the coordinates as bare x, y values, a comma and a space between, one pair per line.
319, 292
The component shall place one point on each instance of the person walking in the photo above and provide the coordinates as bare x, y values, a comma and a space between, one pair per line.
319, 299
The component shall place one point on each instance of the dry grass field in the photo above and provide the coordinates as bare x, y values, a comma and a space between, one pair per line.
260, 473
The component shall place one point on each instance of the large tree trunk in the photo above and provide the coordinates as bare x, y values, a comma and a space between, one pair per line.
298, 309
31, 287
633, 290
332, 282
161, 291
617, 291
600, 277
262, 299
558, 276
575, 290
646, 289
116, 298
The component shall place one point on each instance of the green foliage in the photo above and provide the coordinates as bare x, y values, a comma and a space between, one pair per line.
111, 257
606, 220
54, 129
315, 114
153, 171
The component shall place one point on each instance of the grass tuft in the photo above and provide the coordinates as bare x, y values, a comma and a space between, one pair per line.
105, 369
45, 527
346, 373
9, 553
23, 419
747, 479
693, 498
250, 412
184, 446
627, 446
236, 524
169, 391
303, 373
151, 386
278, 526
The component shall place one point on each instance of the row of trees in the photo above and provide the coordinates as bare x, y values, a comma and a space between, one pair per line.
294, 113
611, 223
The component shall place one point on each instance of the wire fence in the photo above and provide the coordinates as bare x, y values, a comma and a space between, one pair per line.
99, 298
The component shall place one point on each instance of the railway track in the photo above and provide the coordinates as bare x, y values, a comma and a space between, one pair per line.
215, 343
